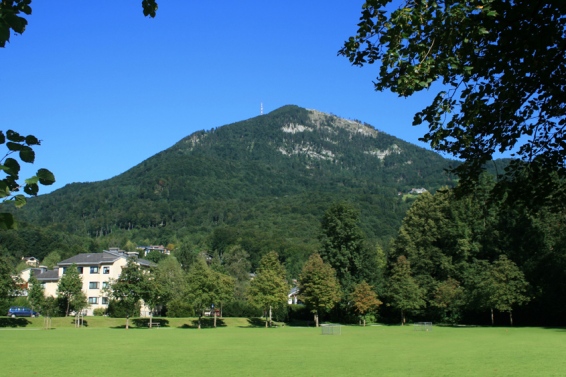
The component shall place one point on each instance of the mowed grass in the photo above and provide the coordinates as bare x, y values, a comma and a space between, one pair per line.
240, 350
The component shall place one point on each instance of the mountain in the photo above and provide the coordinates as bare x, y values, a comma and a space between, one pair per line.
267, 179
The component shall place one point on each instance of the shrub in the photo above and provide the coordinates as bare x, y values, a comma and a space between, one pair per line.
179, 309
99, 312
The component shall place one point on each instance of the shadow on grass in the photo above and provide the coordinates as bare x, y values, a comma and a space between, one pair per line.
80, 322
14, 322
144, 322
206, 323
260, 322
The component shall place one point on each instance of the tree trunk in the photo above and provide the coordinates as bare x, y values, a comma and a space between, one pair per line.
511, 317
316, 319
199, 317
364, 320
214, 316
492, 320
127, 323
270, 316
402, 318
67, 312
150, 318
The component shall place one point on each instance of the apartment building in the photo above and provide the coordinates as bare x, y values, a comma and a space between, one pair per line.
96, 270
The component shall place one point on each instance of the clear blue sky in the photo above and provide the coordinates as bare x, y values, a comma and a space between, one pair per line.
105, 87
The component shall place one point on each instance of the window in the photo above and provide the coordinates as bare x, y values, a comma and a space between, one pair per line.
104, 284
94, 270
64, 270
93, 300
105, 300
105, 270
80, 269
93, 285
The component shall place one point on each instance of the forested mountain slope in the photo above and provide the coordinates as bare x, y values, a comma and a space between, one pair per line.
272, 170
268, 179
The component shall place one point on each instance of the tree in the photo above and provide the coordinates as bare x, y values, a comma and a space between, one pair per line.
509, 286
237, 264
201, 287
448, 298
12, 13
10, 167
365, 300
269, 289
51, 259
8, 287
70, 288
501, 66
171, 279
36, 296
403, 290
343, 244
129, 289
319, 288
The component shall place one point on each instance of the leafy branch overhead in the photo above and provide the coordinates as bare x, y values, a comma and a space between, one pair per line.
501, 66
13, 12
19, 147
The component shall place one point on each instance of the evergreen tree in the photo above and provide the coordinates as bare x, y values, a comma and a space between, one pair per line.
36, 296
343, 245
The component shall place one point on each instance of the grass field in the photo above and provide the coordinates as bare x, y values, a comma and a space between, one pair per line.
240, 349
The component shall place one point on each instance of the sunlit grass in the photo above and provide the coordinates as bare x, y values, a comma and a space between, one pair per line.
240, 350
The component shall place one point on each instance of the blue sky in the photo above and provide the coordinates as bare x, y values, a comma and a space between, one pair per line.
105, 88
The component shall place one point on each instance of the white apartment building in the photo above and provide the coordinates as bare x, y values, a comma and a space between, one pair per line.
96, 270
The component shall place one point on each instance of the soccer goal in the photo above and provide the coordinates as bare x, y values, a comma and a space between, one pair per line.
422, 326
330, 329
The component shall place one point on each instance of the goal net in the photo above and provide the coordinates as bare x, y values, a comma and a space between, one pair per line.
330, 329
422, 326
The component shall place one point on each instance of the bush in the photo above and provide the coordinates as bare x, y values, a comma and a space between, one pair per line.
99, 312
179, 309
240, 308
116, 310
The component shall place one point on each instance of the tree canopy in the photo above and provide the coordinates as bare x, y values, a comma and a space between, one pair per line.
501, 66
13, 13
318, 286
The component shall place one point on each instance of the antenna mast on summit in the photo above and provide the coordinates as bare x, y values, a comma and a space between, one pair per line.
261, 108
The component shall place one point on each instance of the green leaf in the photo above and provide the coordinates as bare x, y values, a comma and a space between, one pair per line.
45, 177
2, 138
20, 201
14, 146
27, 154
32, 181
12, 165
31, 189
14, 136
32, 140
7, 221
4, 189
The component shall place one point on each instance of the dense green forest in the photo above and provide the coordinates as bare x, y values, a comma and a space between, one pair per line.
279, 182
264, 182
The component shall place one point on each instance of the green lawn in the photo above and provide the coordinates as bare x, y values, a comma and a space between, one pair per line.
241, 350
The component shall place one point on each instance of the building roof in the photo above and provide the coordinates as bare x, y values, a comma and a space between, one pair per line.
91, 258
106, 257
48, 275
